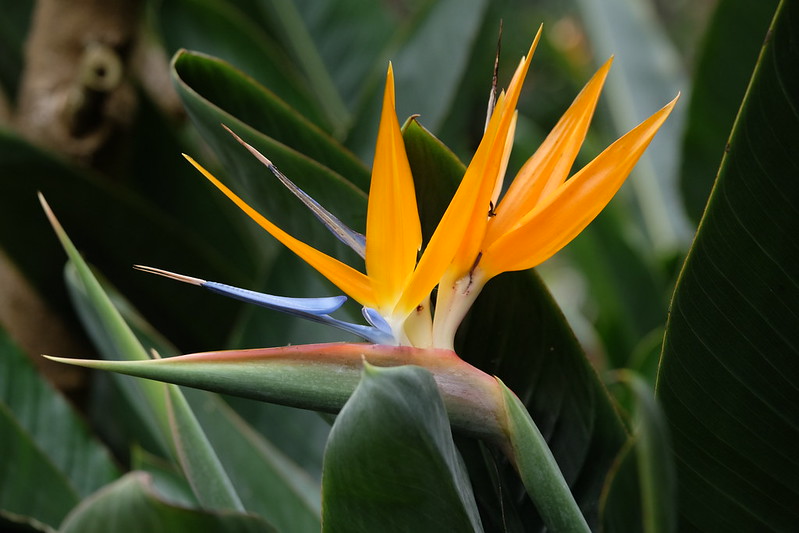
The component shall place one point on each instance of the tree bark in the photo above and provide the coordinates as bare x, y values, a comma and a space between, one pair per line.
75, 97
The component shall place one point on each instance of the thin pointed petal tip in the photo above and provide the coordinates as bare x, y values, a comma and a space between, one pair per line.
171, 275
258, 155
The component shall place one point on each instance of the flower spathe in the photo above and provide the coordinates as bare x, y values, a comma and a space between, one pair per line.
541, 212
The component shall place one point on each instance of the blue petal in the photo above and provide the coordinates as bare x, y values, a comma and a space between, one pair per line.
344, 233
313, 309
376, 319
369, 333
300, 306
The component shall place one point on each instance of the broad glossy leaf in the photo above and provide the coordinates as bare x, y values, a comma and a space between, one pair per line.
213, 89
222, 30
646, 74
50, 423
390, 463
727, 56
30, 484
214, 93
266, 481
516, 332
132, 505
730, 363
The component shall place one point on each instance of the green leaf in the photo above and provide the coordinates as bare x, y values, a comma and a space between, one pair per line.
132, 505
727, 56
222, 30
214, 93
646, 74
266, 481
199, 461
51, 423
149, 398
390, 463
730, 363
539, 471
430, 57
349, 51
515, 331
30, 484
299, 434
285, 18
436, 174
48, 460
649, 449
166, 480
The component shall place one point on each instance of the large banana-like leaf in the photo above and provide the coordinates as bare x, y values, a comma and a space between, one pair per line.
730, 362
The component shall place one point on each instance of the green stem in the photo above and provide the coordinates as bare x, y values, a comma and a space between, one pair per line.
538, 469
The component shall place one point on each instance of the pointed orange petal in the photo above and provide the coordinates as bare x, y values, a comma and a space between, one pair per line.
393, 230
565, 213
489, 162
459, 234
500, 179
343, 276
549, 167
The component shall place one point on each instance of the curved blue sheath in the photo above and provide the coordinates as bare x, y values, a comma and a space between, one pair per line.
313, 309
300, 306
377, 320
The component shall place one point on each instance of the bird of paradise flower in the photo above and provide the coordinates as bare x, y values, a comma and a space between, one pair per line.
478, 237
